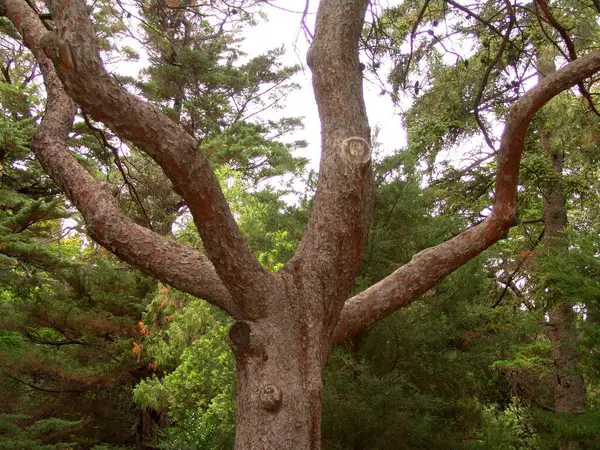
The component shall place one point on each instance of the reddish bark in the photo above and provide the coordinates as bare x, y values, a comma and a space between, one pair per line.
430, 266
330, 253
176, 152
170, 262
287, 322
279, 363
569, 384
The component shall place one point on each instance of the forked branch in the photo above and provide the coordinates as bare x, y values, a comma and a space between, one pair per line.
76, 59
331, 250
180, 266
430, 266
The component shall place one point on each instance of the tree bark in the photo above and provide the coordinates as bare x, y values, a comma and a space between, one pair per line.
279, 364
329, 257
175, 264
569, 385
430, 266
88, 83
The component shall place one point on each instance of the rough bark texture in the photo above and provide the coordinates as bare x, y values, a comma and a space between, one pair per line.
569, 385
165, 259
430, 266
329, 256
287, 351
279, 365
175, 151
286, 322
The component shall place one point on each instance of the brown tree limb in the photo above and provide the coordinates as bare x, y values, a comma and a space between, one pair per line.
54, 343
117, 160
49, 391
85, 80
182, 267
331, 250
430, 266
570, 48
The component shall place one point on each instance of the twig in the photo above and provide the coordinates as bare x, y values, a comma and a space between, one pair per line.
119, 165
570, 48
412, 38
516, 270
50, 391
488, 71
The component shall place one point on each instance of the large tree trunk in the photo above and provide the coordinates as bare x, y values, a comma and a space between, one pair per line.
279, 376
279, 394
569, 386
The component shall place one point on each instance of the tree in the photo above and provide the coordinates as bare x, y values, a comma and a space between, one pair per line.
286, 322
507, 48
64, 335
569, 385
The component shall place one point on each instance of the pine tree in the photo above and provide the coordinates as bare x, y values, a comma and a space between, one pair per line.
286, 323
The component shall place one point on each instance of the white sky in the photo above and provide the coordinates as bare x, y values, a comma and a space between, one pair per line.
284, 28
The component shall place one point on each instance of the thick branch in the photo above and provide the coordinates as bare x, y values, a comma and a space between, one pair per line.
175, 264
570, 48
87, 82
180, 266
331, 250
430, 266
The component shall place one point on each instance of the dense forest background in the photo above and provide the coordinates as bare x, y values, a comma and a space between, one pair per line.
95, 354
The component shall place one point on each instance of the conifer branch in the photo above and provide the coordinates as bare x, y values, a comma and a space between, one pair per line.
180, 266
430, 266
87, 82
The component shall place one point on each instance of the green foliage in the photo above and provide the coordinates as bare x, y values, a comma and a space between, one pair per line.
426, 377
67, 318
504, 429
452, 61
201, 79
245, 147
442, 118
197, 387
20, 432
559, 429
78, 329
570, 274
69, 342
402, 207
532, 356
11, 341
271, 226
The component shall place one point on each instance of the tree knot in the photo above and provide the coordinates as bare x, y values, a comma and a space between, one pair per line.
356, 151
270, 397
57, 49
239, 336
